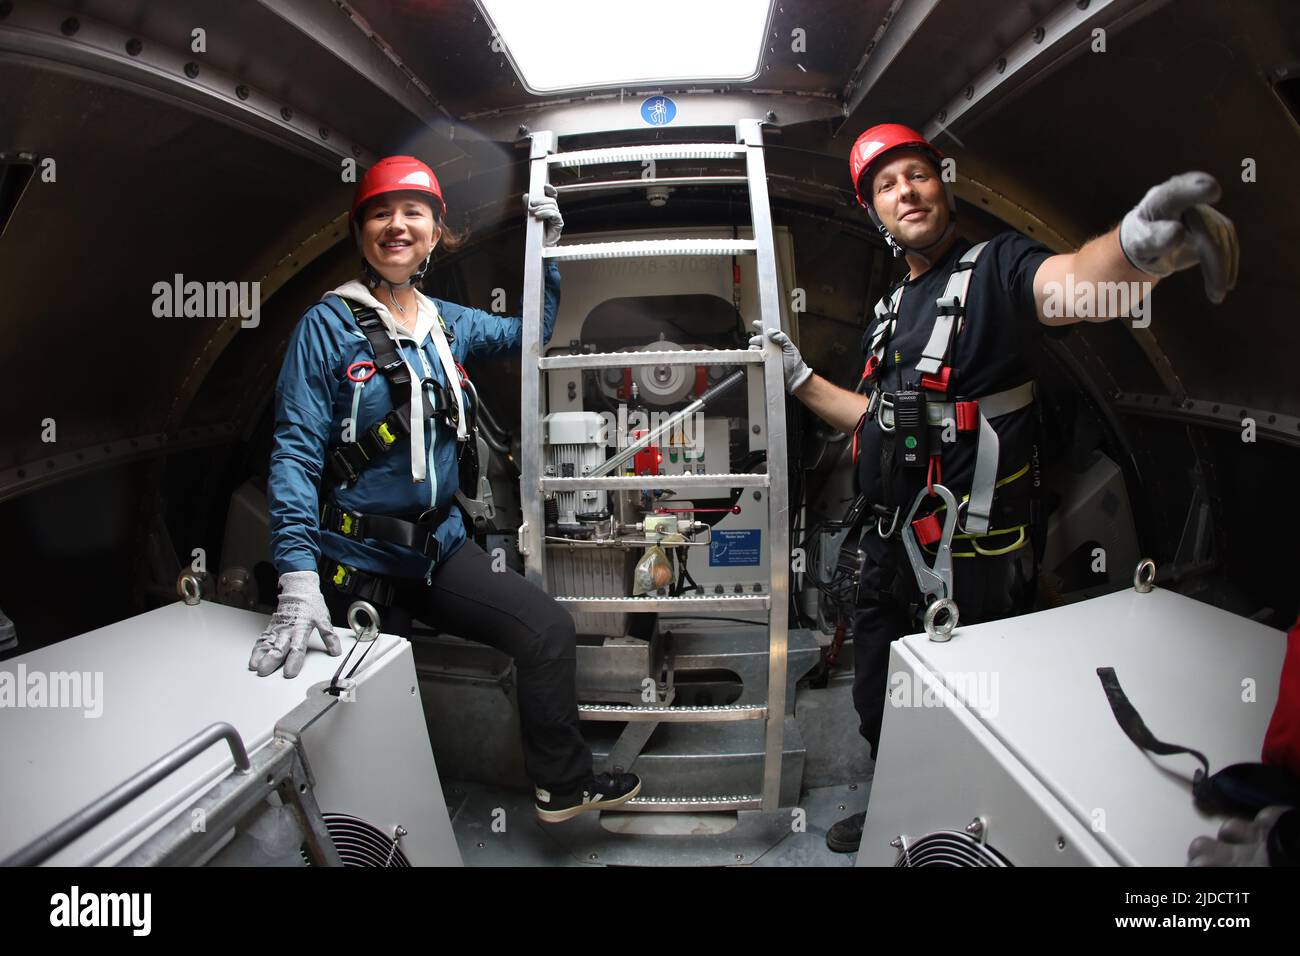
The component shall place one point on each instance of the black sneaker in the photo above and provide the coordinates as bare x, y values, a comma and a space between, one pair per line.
846, 836
603, 791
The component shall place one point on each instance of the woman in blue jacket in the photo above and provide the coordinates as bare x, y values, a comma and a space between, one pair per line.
370, 424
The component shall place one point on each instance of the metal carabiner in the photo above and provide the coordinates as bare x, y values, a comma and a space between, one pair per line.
934, 581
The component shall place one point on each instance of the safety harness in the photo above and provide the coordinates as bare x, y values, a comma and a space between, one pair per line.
928, 413
923, 419
345, 462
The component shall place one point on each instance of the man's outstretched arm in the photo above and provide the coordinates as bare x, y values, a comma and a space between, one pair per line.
1174, 227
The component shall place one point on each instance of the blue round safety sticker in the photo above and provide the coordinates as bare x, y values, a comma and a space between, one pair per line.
658, 110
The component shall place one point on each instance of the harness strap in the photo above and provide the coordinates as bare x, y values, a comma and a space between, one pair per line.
418, 535
980, 506
359, 584
887, 314
950, 309
345, 462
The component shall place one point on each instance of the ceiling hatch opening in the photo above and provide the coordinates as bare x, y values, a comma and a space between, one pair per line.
565, 45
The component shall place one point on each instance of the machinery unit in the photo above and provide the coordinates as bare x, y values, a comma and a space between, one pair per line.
574, 447
999, 747
349, 775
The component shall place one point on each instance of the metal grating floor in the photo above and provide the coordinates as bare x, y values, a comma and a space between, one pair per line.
495, 826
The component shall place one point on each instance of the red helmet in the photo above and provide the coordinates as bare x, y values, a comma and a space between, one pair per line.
877, 141
398, 174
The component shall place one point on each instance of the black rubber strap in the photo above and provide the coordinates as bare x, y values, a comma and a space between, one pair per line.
1283, 843
1129, 721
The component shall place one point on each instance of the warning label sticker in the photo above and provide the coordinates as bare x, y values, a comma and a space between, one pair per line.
733, 548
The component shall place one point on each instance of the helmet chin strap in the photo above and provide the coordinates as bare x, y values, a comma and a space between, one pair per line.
374, 280
919, 251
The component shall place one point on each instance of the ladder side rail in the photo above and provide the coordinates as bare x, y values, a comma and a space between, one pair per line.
778, 505
532, 531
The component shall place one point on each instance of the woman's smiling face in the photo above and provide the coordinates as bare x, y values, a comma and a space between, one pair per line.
398, 231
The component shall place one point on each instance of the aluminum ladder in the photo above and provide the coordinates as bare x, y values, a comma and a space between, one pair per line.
534, 485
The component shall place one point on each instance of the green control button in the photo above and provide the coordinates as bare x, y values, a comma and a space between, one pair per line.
910, 442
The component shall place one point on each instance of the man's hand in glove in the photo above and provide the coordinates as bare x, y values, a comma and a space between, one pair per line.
548, 211
301, 610
1240, 842
1175, 228
796, 371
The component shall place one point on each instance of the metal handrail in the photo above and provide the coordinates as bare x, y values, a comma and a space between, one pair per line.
91, 815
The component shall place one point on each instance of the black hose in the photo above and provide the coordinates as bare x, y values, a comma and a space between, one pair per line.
496, 436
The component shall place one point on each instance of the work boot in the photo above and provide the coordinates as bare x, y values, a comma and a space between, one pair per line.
602, 792
846, 836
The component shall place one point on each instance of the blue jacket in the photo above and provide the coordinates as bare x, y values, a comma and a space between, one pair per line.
313, 398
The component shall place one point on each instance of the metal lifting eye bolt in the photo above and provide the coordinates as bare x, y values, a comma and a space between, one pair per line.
189, 588
370, 630
936, 630
1144, 578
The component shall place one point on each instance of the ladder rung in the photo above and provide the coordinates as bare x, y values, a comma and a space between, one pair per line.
699, 715
603, 184
666, 357
635, 154
691, 804
743, 480
637, 248
711, 602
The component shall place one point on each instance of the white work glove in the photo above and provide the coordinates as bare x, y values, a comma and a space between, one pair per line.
1240, 842
792, 364
301, 610
1174, 228
548, 211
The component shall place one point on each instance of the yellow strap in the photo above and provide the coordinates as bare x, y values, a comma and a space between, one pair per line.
1018, 530
1005, 481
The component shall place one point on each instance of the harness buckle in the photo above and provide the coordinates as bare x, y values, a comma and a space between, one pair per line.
386, 431
350, 524
937, 382
968, 416
342, 465
949, 305
341, 577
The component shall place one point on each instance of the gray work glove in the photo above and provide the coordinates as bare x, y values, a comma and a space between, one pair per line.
792, 364
1240, 842
301, 610
548, 211
1174, 228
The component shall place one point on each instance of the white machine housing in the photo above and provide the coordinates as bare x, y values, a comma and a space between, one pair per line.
574, 446
170, 673
1006, 730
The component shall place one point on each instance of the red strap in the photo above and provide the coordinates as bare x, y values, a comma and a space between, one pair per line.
928, 530
932, 472
461, 369
968, 416
1282, 739
937, 383
869, 369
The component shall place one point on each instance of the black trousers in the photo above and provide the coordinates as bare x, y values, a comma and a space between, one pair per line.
987, 588
503, 610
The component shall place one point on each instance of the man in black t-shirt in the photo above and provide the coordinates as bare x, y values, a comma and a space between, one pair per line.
981, 441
